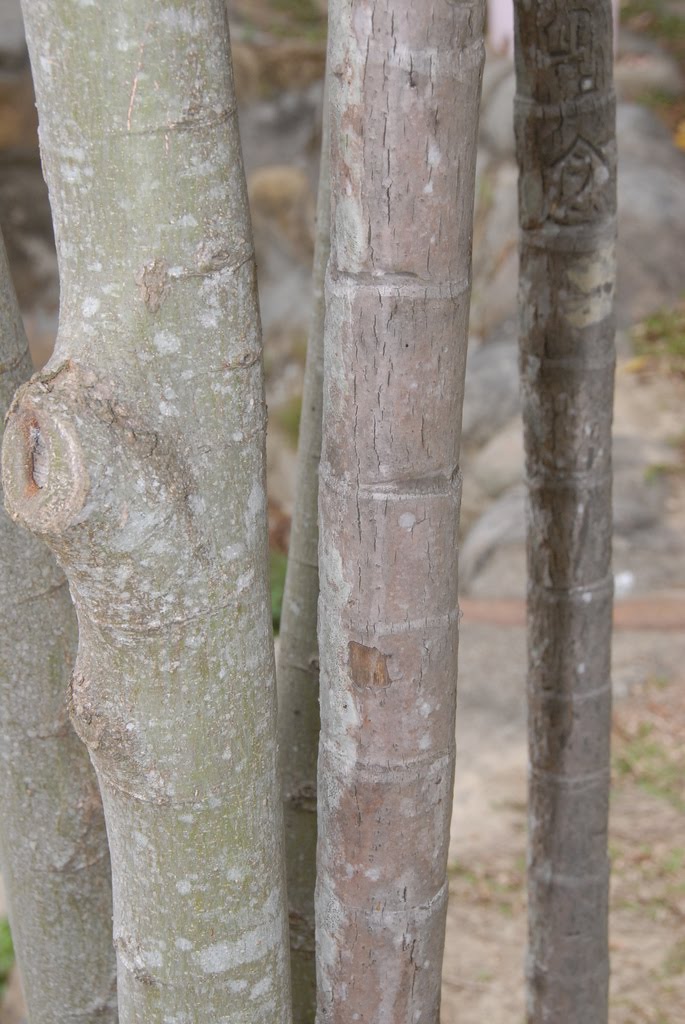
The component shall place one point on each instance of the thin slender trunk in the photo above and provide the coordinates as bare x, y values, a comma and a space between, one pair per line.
565, 126
138, 453
53, 844
298, 662
405, 86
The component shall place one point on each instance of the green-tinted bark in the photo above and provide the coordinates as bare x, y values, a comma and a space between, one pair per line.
53, 845
138, 453
298, 661
404, 91
565, 128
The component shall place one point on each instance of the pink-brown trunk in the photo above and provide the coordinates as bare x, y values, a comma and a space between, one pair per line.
405, 86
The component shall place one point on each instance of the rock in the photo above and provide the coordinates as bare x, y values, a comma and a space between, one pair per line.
246, 72
497, 117
496, 68
12, 43
18, 119
474, 501
283, 130
648, 561
642, 66
492, 560
499, 464
495, 249
650, 204
503, 525
281, 200
267, 69
27, 228
639, 492
491, 397
282, 205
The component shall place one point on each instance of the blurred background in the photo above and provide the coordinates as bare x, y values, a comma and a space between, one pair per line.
278, 53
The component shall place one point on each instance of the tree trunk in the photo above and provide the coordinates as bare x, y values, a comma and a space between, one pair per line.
138, 453
501, 24
565, 114
405, 86
298, 662
53, 844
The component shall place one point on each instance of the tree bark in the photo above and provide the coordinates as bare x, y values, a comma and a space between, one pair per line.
53, 844
298, 662
565, 127
138, 453
405, 86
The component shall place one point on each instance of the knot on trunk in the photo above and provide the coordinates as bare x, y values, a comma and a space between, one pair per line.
110, 494
44, 475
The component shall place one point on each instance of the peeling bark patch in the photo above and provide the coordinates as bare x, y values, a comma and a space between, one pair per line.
153, 281
368, 666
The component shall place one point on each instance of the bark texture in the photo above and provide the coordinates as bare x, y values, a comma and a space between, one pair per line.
53, 844
565, 128
298, 662
405, 87
138, 454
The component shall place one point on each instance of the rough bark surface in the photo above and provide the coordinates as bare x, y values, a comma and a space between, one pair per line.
53, 844
565, 127
138, 454
405, 85
298, 660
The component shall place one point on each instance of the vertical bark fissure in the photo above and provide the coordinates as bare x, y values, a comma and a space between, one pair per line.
148, 424
565, 129
298, 659
404, 93
53, 844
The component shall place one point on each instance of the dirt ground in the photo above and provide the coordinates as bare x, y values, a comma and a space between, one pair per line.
483, 971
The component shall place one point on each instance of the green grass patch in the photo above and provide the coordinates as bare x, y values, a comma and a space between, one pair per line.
647, 762
661, 337
6, 953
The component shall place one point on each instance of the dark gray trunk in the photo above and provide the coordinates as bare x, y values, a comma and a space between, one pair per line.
565, 128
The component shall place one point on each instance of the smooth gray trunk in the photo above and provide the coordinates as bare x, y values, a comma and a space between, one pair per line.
405, 86
53, 845
565, 128
138, 453
298, 661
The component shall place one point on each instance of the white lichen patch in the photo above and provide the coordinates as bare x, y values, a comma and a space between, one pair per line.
590, 295
261, 988
166, 343
434, 154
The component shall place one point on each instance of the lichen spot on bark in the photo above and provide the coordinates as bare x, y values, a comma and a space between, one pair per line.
153, 281
369, 667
